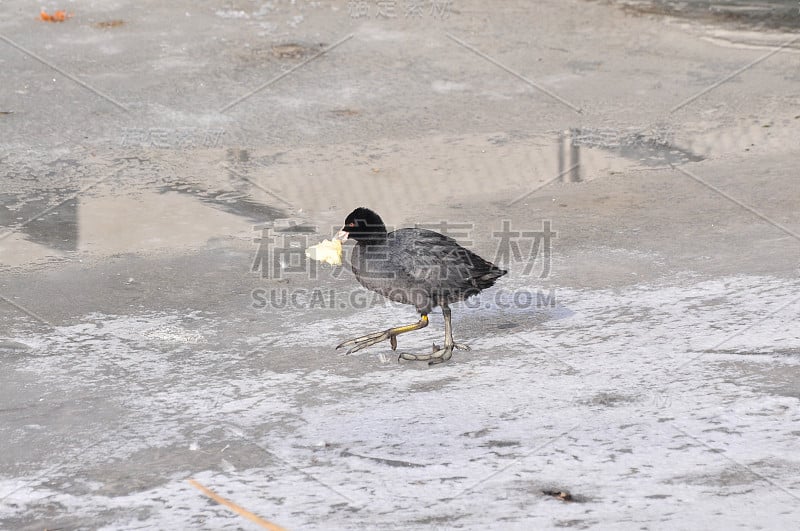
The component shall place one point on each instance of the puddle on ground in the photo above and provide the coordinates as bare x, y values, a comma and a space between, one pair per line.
648, 149
583, 154
429, 172
233, 202
55, 228
773, 14
325, 184
165, 219
183, 214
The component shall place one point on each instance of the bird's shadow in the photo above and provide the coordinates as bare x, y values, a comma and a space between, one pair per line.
507, 313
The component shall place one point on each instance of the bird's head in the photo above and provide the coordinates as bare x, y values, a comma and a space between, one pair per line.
362, 224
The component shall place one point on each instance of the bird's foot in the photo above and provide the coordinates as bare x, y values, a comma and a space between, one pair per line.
457, 346
368, 340
439, 355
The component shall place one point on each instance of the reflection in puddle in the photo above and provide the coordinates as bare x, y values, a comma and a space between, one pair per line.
230, 201
146, 221
403, 180
53, 226
646, 150
782, 14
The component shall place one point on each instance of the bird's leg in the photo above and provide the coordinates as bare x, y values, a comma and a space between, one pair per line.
376, 337
439, 354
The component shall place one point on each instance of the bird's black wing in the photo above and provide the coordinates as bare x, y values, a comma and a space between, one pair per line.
438, 263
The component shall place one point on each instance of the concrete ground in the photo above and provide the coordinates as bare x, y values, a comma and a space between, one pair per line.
164, 168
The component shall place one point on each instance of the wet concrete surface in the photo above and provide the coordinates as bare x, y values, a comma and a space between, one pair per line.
160, 322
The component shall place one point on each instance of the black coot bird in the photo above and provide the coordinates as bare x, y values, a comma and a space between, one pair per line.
413, 266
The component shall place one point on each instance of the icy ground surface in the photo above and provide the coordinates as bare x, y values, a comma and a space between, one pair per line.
661, 406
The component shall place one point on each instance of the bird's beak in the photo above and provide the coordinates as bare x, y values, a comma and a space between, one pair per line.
342, 236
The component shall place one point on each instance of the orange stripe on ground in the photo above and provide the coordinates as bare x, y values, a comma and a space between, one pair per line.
235, 508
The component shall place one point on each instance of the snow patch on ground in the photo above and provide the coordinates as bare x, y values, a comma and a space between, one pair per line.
654, 406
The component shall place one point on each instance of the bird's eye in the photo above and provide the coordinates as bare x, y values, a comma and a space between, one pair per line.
351, 224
